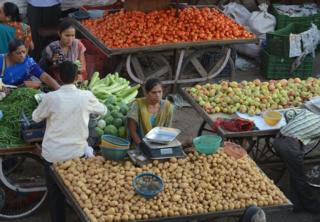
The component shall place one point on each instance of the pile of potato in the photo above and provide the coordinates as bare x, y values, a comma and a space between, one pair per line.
195, 185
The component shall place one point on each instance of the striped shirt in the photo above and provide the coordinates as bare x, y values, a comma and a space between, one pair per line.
305, 126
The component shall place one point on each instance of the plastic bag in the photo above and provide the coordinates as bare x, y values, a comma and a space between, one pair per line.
250, 50
237, 12
305, 42
261, 22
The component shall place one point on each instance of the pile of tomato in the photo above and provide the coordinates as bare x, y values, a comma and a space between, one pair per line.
133, 28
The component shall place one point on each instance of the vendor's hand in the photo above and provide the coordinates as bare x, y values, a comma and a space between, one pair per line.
88, 152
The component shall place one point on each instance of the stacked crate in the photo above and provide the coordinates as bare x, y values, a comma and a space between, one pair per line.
276, 63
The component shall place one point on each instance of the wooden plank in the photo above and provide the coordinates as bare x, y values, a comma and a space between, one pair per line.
146, 6
199, 67
159, 72
137, 68
17, 150
83, 217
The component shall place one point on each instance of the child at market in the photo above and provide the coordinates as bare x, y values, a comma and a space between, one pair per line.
68, 48
67, 113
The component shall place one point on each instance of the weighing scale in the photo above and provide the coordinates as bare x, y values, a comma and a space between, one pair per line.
159, 144
157, 151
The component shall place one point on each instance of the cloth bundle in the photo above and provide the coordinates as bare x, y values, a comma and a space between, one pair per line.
233, 125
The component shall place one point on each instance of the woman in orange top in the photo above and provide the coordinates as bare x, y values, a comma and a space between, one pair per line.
11, 27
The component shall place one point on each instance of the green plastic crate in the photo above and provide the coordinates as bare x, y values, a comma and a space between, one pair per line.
277, 67
284, 20
278, 42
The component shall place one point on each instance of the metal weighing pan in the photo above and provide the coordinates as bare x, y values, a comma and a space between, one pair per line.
162, 135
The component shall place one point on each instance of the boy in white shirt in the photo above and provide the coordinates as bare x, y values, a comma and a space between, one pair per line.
66, 111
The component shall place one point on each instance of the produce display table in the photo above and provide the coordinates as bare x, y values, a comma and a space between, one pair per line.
258, 143
67, 190
27, 148
185, 55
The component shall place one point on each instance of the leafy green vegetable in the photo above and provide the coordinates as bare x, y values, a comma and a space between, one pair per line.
21, 99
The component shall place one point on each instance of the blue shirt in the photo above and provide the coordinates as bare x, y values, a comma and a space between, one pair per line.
18, 73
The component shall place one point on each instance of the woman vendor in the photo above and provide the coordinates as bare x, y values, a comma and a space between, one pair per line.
68, 48
16, 67
149, 112
11, 27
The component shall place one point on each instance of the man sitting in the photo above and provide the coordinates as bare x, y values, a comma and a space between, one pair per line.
303, 128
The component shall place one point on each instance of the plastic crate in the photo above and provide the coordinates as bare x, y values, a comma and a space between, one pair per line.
278, 42
277, 67
284, 20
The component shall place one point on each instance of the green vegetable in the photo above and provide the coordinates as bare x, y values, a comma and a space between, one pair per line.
95, 78
124, 110
130, 97
112, 89
117, 122
21, 99
109, 119
116, 114
99, 131
101, 124
111, 99
122, 132
111, 129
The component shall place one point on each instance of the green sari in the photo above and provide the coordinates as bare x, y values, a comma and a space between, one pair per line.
145, 120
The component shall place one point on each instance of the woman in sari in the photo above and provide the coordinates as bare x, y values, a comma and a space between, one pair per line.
11, 27
149, 112
16, 67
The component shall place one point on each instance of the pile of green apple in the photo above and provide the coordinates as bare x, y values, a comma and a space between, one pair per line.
253, 97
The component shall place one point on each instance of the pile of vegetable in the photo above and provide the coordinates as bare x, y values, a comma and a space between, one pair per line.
21, 99
112, 84
113, 123
115, 92
133, 28
197, 184
254, 97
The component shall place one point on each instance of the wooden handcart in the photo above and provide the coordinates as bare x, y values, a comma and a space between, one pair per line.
175, 64
22, 184
258, 143
214, 215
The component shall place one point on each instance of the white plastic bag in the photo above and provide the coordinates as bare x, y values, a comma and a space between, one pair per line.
305, 42
250, 50
237, 12
261, 22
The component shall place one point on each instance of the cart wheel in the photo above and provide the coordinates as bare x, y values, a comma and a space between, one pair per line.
11, 163
24, 188
205, 63
262, 152
142, 66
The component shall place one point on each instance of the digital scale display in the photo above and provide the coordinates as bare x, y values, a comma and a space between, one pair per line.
167, 151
